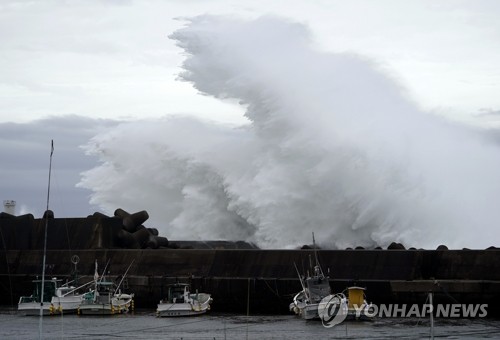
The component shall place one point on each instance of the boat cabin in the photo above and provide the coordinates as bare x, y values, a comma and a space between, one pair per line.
178, 292
49, 290
317, 286
63, 291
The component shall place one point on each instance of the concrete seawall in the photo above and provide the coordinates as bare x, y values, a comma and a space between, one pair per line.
266, 279
398, 276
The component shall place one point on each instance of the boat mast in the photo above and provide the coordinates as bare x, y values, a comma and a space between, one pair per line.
316, 258
45, 243
123, 277
302, 282
96, 278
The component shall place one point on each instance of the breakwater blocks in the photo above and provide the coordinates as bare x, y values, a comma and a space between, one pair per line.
232, 270
97, 231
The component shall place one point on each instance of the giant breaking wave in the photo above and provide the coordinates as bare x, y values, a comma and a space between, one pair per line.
332, 146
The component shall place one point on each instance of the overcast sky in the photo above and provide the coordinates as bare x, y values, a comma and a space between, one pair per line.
113, 59
71, 69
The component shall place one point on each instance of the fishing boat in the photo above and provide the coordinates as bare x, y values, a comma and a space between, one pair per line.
30, 305
106, 298
67, 299
57, 298
315, 297
314, 289
181, 302
103, 300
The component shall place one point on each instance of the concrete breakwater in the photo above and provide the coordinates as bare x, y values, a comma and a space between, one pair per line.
264, 281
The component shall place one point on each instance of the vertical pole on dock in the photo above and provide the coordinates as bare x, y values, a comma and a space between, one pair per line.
225, 336
432, 316
248, 304
46, 215
248, 298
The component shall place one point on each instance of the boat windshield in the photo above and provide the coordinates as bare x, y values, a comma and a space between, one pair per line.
49, 291
176, 292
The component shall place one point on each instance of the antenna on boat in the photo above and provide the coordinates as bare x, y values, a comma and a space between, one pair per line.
123, 277
301, 281
316, 258
40, 327
315, 250
103, 272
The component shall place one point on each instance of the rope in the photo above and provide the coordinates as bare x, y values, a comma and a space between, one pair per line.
445, 291
271, 289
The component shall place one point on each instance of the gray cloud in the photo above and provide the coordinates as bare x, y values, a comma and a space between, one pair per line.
24, 163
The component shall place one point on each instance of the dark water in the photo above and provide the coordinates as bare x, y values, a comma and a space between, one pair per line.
144, 325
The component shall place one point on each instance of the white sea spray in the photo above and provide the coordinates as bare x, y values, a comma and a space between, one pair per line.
332, 146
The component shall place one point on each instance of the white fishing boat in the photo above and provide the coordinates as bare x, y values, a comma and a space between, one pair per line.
181, 302
57, 299
67, 299
316, 296
106, 298
104, 301
315, 288
30, 305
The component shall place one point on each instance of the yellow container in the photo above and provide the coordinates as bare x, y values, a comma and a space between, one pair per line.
356, 296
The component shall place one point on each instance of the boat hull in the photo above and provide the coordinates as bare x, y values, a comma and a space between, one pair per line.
97, 309
309, 312
67, 304
180, 309
118, 306
305, 311
33, 308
